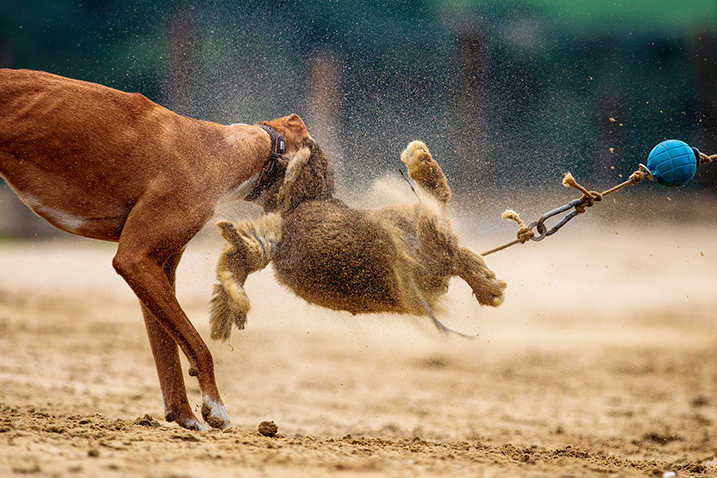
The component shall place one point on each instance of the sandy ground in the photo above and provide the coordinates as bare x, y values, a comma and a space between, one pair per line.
601, 361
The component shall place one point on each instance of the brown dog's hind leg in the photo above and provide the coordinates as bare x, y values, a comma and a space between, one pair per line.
470, 267
251, 247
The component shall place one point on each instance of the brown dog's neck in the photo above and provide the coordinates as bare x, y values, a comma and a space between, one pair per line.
278, 143
274, 167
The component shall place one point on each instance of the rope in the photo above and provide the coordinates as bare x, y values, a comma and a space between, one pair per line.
524, 233
705, 159
579, 206
588, 198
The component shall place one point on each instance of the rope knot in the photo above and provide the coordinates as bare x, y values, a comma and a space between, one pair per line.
637, 176
579, 205
589, 197
524, 233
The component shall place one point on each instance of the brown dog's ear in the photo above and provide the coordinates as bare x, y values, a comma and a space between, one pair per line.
293, 129
296, 119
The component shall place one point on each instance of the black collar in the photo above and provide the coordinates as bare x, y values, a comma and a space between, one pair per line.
278, 144
274, 167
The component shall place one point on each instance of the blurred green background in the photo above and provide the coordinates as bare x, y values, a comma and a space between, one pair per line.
505, 93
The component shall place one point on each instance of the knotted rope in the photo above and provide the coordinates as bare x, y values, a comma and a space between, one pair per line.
579, 206
589, 198
524, 233
707, 159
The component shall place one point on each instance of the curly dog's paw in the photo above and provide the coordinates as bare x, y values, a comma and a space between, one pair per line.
415, 156
490, 290
227, 309
470, 267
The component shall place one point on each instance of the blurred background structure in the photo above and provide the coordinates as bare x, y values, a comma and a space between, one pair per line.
505, 93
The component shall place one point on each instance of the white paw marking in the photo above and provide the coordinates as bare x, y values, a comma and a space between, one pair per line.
215, 414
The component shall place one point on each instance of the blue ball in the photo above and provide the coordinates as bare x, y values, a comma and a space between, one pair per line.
673, 162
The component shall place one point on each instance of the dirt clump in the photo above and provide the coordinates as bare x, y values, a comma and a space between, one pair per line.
268, 429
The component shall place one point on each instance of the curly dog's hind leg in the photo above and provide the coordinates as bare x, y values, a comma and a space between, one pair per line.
251, 247
470, 267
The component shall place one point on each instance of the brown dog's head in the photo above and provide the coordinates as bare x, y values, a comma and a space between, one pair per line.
295, 135
292, 128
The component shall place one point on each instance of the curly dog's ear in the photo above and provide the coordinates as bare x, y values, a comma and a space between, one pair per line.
229, 232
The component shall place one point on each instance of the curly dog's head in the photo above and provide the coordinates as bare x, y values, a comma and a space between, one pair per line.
308, 176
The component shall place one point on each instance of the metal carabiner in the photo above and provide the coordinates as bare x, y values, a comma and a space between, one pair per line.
543, 231
577, 205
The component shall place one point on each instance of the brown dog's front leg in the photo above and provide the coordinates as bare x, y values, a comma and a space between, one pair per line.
166, 359
146, 246
169, 370
147, 280
470, 267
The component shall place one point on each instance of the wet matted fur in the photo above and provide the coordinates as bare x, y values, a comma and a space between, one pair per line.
397, 258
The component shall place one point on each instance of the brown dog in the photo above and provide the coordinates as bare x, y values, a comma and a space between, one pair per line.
398, 258
105, 164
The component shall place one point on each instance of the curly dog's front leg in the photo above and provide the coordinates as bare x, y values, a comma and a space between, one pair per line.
423, 169
251, 247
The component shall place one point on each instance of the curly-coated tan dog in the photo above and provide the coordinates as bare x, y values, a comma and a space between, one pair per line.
397, 258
